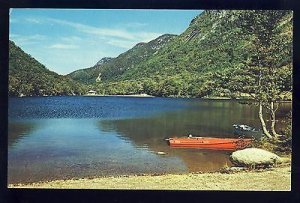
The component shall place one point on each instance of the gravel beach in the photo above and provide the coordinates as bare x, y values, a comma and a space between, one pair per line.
273, 179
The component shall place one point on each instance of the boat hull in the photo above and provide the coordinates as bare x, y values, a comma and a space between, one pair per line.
229, 144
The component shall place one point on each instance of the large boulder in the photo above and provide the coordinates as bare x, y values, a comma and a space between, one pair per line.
254, 157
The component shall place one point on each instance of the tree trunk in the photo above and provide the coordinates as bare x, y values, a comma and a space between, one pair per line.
262, 121
273, 120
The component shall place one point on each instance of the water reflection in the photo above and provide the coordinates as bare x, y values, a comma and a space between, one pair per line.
18, 131
112, 136
68, 148
149, 133
204, 118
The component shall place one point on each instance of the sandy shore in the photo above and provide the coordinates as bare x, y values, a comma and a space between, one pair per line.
274, 179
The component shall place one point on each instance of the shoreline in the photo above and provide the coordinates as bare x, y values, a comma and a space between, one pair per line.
151, 96
120, 95
272, 179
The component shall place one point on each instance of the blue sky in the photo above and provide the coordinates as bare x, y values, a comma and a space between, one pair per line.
65, 40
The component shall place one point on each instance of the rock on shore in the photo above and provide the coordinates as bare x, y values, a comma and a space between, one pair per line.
254, 157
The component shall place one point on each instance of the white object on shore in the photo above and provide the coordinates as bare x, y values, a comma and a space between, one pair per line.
254, 157
161, 153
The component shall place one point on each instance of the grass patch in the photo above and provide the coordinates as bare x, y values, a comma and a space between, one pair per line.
282, 146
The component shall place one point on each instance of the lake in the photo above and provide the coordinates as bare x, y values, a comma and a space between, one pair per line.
74, 137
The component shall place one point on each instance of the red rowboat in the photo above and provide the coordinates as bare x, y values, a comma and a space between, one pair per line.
231, 144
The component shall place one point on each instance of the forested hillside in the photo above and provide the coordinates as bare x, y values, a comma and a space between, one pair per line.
111, 68
210, 58
202, 61
28, 77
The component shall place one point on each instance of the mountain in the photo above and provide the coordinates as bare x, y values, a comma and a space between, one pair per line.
104, 61
197, 63
207, 59
28, 77
111, 68
88, 75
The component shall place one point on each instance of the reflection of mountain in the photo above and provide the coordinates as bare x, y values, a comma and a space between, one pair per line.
205, 118
150, 133
18, 130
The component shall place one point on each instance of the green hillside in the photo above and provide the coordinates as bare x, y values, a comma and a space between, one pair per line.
199, 62
209, 59
112, 68
28, 77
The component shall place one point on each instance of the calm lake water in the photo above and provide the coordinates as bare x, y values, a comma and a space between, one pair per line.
73, 137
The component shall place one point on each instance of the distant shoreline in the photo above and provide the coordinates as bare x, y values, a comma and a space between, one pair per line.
120, 95
151, 96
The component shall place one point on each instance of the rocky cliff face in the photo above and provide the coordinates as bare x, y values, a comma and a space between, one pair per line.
103, 61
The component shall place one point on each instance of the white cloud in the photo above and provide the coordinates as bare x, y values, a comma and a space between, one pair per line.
121, 43
148, 36
119, 37
13, 20
63, 46
94, 30
64, 61
31, 39
30, 20
33, 20
135, 25
109, 33
81, 46
71, 39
